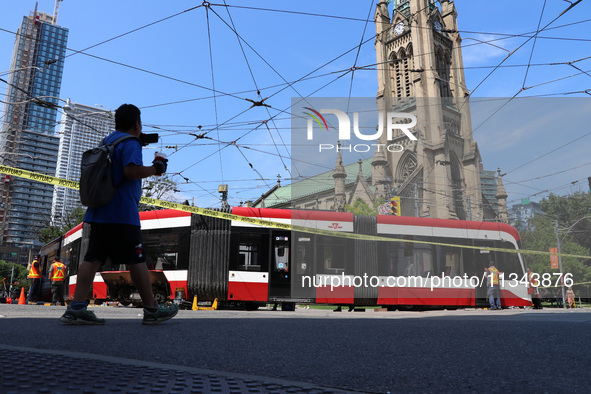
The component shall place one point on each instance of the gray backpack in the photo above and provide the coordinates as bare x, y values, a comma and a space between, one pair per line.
96, 179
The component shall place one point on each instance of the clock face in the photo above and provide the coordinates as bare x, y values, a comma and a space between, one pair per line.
437, 26
399, 28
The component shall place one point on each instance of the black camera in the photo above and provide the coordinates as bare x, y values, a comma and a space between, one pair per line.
146, 139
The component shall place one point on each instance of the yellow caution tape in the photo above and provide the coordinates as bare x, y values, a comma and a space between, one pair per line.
268, 223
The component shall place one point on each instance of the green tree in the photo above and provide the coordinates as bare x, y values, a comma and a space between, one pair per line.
51, 232
571, 211
20, 272
573, 215
360, 207
160, 188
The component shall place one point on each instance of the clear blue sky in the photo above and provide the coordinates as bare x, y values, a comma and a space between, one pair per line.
166, 69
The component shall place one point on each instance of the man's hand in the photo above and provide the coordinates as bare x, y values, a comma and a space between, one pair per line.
160, 165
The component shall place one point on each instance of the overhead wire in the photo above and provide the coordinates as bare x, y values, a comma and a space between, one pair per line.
259, 94
319, 15
215, 103
531, 54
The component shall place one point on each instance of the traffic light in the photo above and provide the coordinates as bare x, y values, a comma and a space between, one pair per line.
589, 180
395, 205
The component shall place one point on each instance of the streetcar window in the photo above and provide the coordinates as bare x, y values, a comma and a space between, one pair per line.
419, 263
332, 254
248, 258
508, 262
249, 251
452, 262
166, 249
70, 256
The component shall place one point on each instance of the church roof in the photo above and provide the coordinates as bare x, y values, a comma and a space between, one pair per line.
312, 185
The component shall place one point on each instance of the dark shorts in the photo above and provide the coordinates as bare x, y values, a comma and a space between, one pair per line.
121, 242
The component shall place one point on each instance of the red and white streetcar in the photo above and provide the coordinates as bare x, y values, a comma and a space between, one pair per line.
432, 262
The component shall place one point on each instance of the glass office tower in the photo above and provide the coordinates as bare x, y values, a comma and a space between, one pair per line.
82, 127
28, 139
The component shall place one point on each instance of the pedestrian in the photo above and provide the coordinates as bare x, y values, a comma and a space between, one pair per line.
36, 277
57, 276
570, 297
492, 285
558, 294
534, 289
115, 228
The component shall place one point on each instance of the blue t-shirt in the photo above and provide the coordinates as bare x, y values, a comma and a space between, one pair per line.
124, 206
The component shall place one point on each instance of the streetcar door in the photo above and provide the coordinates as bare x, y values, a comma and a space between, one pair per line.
482, 258
280, 267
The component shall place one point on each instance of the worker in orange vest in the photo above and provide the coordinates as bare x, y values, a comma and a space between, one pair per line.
493, 287
57, 276
35, 276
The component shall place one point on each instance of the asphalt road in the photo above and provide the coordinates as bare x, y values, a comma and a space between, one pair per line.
436, 351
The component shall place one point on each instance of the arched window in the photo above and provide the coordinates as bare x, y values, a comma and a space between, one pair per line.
407, 73
442, 60
394, 64
406, 166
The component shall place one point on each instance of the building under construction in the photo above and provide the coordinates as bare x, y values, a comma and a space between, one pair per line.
28, 139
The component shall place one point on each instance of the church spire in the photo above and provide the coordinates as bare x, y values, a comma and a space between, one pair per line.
502, 199
339, 176
379, 178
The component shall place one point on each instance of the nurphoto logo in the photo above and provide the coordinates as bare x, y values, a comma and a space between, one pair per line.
344, 129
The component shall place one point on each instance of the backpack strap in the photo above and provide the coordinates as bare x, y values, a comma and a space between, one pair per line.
120, 139
111, 149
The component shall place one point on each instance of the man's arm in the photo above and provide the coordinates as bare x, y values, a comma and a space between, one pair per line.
133, 171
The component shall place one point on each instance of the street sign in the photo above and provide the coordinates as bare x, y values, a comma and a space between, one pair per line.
385, 209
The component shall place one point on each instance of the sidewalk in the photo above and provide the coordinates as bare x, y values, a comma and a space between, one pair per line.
102, 374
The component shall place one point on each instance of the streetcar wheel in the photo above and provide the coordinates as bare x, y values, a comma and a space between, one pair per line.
124, 296
160, 296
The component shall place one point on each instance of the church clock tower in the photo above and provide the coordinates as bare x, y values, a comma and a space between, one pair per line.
420, 71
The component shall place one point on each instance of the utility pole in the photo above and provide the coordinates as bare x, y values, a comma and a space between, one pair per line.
223, 190
469, 208
559, 262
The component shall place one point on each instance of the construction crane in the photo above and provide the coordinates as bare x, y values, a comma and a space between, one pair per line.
56, 11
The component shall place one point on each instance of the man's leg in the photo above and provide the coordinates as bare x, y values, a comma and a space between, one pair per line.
35, 290
32, 290
85, 278
491, 299
141, 280
153, 313
76, 313
498, 297
61, 297
54, 294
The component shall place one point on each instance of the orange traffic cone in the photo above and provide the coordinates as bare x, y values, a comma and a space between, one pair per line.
23, 299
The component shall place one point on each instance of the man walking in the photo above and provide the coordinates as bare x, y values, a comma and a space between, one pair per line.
115, 228
57, 276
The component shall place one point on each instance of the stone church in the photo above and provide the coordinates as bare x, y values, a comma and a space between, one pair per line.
420, 71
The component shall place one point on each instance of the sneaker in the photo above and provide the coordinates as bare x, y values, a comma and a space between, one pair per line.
80, 317
163, 313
